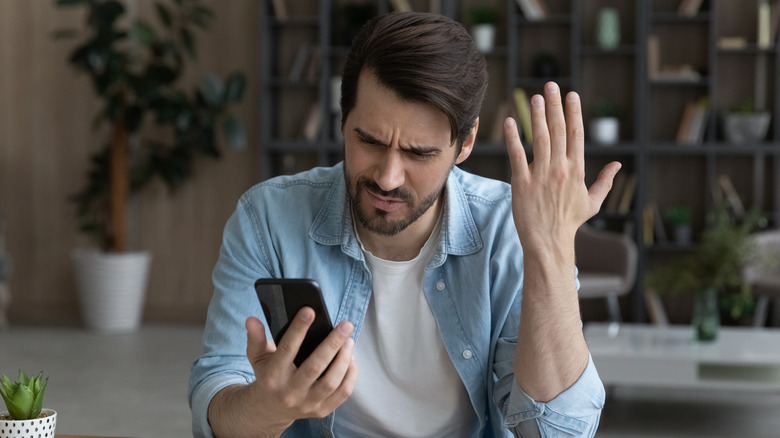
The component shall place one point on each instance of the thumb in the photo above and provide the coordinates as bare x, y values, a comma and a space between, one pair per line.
598, 191
258, 346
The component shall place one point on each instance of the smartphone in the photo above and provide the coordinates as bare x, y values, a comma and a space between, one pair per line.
282, 298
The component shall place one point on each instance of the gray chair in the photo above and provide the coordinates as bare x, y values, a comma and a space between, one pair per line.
607, 263
763, 273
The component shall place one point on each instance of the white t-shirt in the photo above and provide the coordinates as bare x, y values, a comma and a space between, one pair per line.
407, 385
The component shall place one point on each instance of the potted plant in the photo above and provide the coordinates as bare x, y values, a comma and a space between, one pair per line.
483, 27
679, 218
743, 124
713, 271
605, 122
135, 69
25, 416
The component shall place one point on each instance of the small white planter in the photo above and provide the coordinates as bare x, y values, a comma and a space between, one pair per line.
112, 289
746, 128
605, 130
37, 428
484, 37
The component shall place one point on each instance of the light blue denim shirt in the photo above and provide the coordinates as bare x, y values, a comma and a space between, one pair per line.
301, 226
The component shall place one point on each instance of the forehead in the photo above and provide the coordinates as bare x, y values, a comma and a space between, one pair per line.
381, 111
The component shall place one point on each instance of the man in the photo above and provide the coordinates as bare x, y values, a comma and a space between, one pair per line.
455, 296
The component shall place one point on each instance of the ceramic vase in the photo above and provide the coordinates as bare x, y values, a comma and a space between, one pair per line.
608, 28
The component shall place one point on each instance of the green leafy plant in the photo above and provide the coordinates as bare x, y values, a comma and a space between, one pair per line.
483, 15
678, 216
24, 398
606, 108
135, 68
716, 262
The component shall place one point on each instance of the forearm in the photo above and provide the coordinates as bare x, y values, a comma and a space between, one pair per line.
230, 415
551, 350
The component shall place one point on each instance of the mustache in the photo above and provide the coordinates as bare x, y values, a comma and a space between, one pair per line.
372, 186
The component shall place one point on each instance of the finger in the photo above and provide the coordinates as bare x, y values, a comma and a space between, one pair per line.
258, 346
514, 146
342, 393
575, 131
335, 374
540, 131
555, 122
293, 338
599, 189
313, 367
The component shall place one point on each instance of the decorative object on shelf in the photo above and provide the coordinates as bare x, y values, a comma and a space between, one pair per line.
608, 28
706, 315
483, 27
26, 417
745, 125
135, 68
716, 263
5, 278
680, 218
604, 126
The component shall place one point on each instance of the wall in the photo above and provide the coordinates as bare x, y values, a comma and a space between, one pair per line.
46, 114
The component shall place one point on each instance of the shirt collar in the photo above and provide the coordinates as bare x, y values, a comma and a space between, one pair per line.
459, 234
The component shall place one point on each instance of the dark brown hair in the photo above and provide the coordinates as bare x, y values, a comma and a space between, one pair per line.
422, 57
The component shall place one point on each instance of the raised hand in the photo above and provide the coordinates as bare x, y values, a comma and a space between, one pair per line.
549, 197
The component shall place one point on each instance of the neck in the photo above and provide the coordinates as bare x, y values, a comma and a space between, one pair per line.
406, 244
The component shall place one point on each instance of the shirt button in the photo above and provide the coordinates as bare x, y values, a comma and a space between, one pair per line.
467, 354
440, 285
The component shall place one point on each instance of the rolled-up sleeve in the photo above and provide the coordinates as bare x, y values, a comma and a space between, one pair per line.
573, 413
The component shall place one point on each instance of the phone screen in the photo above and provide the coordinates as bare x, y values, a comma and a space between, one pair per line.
282, 298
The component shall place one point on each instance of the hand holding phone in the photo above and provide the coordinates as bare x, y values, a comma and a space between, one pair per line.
282, 298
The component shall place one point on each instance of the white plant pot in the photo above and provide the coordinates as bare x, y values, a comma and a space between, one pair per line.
112, 289
36, 428
484, 37
745, 128
605, 130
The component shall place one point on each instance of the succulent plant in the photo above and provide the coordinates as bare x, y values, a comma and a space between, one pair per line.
24, 398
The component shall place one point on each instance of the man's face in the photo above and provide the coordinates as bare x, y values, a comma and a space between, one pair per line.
397, 157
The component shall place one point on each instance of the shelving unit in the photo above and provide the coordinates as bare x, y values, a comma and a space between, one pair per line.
667, 173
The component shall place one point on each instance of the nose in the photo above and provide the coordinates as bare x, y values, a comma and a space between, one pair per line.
389, 173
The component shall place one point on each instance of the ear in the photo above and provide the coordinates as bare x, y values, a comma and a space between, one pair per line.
468, 143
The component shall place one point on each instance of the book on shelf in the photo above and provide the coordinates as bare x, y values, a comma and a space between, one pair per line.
693, 122
314, 63
689, 8
613, 197
732, 42
731, 196
280, 9
659, 231
533, 10
648, 225
299, 63
764, 25
627, 197
774, 22
312, 123
401, 5
524, 114
653, 56
502, 112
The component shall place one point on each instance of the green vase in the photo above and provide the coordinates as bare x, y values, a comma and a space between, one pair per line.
706, 315
608, 28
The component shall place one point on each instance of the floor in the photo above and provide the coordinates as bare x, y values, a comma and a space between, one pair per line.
136, 385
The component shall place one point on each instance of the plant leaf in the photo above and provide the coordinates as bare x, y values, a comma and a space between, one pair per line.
236, 85
144, 33
235, 132
212, 88
163, 14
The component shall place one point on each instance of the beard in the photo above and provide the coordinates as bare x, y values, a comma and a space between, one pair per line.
376, 220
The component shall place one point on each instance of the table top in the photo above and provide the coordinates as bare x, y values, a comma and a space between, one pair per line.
734, 345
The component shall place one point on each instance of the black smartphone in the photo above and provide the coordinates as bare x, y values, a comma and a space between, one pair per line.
282, 298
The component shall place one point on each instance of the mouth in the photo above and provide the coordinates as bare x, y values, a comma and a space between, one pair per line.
384, 203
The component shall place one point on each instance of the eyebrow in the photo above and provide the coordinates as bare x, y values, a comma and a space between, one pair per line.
416, 149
